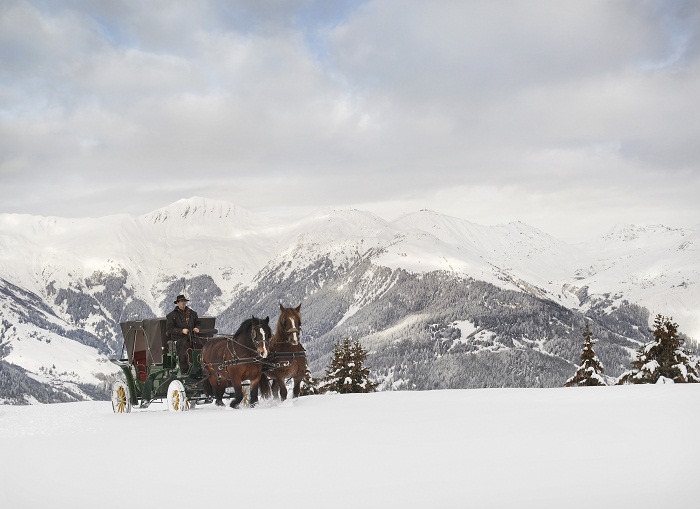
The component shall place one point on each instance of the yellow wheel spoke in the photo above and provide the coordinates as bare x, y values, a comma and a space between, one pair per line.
120, 399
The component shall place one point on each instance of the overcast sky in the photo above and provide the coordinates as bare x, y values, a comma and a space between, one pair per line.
569, 116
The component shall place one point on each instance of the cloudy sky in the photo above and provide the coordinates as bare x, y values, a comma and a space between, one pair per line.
569, 116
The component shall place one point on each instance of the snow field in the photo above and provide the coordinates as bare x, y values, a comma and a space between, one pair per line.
622, 447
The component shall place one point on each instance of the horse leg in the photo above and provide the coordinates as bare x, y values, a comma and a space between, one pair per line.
238, 393
275, 387
264, 386
299, 374
254, 385
282, 387
223, 385
238, 397
219, 396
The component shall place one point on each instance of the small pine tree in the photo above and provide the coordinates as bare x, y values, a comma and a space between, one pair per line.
590, 371
347, 373
359, 372
663, 358
309, 385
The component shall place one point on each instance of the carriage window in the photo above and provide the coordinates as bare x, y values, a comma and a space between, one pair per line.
139, 340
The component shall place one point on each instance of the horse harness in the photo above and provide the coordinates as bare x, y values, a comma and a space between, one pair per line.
285, 355
290, 331
268, 364
238, 361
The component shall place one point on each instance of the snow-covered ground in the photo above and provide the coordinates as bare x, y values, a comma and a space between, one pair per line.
622, 447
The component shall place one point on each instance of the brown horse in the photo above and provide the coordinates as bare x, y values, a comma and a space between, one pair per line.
229, 360
287, 356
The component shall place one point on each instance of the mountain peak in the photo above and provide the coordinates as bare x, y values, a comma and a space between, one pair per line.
431, 219
197, 208
627, 233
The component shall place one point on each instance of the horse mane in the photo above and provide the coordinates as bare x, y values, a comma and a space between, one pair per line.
279, 332
247, 324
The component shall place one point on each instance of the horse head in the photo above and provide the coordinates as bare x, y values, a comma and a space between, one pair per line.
289, 325
260, 334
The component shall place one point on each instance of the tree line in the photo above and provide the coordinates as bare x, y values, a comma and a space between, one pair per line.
663, 359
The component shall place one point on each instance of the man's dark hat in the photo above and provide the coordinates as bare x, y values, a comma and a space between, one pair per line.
181, 297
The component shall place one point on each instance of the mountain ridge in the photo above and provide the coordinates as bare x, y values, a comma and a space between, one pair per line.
433, 241
347, 266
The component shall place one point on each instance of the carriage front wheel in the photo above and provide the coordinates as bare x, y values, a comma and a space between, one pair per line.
121, 397
177, 398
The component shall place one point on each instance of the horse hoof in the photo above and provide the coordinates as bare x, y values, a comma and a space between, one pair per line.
219, 402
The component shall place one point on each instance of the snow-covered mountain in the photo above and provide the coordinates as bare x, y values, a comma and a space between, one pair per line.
425, 288
58, 361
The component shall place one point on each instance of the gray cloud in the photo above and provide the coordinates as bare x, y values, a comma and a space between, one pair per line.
578, 114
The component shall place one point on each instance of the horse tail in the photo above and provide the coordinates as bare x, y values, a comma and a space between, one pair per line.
264, 386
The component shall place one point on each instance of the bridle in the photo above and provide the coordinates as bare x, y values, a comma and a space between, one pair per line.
288, 334
257, 335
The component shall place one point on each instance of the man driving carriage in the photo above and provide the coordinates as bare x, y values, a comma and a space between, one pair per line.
181, 322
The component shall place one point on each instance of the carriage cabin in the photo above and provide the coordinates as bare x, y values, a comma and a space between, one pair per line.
146, 344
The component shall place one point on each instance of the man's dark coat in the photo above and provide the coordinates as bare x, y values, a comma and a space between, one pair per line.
176, 321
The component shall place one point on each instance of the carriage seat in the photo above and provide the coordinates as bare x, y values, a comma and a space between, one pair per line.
141, 365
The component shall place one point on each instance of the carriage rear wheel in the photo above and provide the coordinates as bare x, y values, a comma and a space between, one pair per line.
177, 398
121, 397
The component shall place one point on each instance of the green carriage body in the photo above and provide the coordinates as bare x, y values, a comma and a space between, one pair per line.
150, 363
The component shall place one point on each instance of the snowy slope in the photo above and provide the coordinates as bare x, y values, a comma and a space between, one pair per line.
656, 266
192, 237
512, 256
343, 237
488, 448
45, 350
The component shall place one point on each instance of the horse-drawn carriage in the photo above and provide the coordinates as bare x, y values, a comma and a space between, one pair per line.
219, 365
151, 368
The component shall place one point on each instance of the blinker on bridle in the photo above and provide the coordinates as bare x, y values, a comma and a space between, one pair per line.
255, 330
288, 334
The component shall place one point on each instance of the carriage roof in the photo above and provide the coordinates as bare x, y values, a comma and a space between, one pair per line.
145, 335
149, 336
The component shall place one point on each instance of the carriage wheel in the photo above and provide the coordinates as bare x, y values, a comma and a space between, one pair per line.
177, 399
121, 397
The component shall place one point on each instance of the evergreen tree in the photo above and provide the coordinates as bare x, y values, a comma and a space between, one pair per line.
663, 358
309, 385
590, 371
346, 372
359, 372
